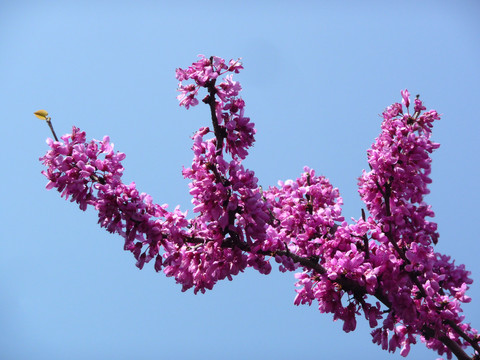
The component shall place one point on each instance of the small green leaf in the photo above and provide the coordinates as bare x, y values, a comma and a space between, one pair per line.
41, 114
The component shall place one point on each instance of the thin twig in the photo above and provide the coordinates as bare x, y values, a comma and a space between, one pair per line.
49, 122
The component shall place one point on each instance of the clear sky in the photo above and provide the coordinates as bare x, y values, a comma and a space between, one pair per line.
317, 74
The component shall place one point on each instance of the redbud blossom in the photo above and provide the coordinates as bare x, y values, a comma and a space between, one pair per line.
382, 266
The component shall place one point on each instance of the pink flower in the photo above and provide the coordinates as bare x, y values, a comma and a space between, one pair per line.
406, 97
419, 106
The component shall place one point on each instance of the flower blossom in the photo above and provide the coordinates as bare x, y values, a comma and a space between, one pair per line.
382, 266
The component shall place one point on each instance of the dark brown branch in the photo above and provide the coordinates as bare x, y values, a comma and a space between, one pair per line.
220, 133
449, 343
386, 197
455, 348
460, 332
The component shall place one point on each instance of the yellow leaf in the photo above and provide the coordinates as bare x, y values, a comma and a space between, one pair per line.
41, 114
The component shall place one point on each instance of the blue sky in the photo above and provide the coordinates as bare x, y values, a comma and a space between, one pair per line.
317, 74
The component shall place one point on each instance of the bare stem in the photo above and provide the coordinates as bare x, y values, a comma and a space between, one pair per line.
49, 122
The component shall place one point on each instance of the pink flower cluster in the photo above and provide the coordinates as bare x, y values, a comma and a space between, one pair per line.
382, 265
389, 255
